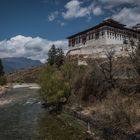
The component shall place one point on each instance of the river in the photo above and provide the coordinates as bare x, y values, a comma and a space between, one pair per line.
23, 118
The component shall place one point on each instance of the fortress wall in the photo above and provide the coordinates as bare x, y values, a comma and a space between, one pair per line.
101, 50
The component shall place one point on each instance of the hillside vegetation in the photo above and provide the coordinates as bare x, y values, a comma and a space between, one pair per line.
30, 75
106, 89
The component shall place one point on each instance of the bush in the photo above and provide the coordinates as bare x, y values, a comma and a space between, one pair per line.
3, 80
122, 111
55, 84
89, 82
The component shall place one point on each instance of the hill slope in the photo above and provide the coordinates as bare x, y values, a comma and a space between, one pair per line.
13, 64
30, 75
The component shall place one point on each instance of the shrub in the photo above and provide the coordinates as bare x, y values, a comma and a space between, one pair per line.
135, 58
89, 82
3, 80
55, 84
122, 110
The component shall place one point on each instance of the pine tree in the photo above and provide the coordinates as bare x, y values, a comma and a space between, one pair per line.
60, 57
52, 55
1, 69
55, 56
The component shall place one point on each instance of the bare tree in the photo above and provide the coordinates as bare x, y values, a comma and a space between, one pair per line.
135, 57
107, 67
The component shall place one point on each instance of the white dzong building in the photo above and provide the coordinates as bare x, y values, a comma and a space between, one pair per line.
107, 33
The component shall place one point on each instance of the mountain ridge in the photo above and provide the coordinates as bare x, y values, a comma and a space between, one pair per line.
12, 64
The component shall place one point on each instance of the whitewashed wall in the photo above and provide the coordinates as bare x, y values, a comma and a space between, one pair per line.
100, 51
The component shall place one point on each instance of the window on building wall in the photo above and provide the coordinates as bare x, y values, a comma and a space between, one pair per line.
91, 36
115, 36
73, 42
88, 36
97, 36
121, 37
79, 39
84, 38
102, 33
69, 42
134, 36
107, 32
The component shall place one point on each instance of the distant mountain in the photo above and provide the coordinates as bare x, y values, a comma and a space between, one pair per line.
13, 64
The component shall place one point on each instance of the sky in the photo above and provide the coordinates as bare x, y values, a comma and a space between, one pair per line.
28, 28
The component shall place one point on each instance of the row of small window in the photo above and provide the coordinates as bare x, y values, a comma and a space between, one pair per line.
88, 37
121, 35
116, 37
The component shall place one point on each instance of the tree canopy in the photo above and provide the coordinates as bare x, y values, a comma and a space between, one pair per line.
55, 56
1, 68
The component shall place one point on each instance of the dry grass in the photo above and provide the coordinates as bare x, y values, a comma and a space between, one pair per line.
122, 112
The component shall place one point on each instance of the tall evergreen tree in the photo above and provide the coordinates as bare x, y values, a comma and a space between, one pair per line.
60, 57
55, 56
52, 55
1, 68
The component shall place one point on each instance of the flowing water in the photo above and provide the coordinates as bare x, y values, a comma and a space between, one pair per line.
22, 118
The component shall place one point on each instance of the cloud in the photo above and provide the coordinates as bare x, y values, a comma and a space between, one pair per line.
61, 23
114, 3
128, 16
74, 9
29, 47
97, 11
53, 16
125, 11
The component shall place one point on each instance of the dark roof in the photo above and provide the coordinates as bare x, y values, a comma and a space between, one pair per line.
108, 22
137, 26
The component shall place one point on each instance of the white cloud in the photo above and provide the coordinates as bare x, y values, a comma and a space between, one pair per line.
33, 48
128, 16
97, 11
53, 16
113, 3
61, 22
74, 9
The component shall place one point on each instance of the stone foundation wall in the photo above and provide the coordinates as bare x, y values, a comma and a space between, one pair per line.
100, 50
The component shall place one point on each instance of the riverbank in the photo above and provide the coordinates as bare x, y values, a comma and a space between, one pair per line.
11, 86
104, 127
4, 88
7, 87
26, 85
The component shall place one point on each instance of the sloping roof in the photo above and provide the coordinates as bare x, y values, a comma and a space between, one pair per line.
108, 22
137, 26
